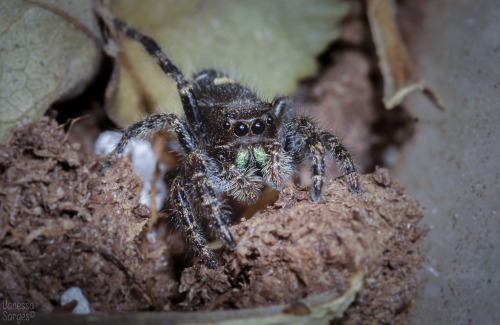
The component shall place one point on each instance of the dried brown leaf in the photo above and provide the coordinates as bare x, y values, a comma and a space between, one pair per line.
398, 71
49, 50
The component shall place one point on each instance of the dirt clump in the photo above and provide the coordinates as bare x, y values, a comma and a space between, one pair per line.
298, 248
67, 222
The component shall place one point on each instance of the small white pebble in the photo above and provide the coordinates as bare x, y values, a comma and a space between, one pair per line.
431, 270
75, 293
106, 142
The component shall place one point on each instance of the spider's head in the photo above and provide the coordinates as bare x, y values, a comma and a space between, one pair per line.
243, 123
231, 114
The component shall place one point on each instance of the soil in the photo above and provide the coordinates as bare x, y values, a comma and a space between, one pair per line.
66, 221
298, 248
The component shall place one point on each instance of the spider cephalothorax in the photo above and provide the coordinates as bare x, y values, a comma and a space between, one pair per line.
234, 144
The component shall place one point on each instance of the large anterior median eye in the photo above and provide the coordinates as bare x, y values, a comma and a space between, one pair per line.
241, 129
258, 127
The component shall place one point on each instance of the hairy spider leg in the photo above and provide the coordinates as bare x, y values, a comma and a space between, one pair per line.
184, 88
156, 123
342, 156
304, 140
187, 223
308, 144
195, 167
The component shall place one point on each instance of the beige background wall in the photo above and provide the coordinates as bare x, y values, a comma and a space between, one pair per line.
452, 165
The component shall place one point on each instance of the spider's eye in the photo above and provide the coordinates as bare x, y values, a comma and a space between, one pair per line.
241, 129
226, 125
258, 127
270, 120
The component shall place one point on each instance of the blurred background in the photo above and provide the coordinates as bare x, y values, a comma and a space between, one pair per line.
451, 164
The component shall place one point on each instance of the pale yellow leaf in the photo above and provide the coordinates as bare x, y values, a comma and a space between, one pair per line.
266, 45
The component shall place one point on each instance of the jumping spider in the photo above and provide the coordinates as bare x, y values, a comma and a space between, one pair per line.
234, 144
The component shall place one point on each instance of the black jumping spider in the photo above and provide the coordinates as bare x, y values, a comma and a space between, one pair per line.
234, 143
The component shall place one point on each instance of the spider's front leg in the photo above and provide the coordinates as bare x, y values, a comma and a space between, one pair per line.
184, 88
342, 155
197, 170
186, 222
154, 124
304, 140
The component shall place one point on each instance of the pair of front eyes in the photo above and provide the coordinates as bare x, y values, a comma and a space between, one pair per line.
241, 128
